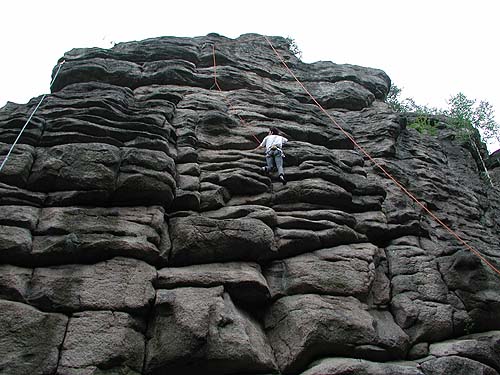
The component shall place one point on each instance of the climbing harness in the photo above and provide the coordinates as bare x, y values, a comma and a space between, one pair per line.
30, 117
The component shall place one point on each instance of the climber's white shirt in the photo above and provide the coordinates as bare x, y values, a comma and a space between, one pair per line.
273, 140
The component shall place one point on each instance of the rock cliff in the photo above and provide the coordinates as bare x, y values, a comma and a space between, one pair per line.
138, 234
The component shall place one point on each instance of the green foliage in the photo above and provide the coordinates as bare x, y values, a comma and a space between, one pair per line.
472, 122
293, 47
393, 99
408, 104
466, 115
424, 125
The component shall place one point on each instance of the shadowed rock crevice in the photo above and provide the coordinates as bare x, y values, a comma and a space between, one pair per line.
138, 234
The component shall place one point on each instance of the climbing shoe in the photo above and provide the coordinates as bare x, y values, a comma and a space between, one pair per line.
264, 170
282, 179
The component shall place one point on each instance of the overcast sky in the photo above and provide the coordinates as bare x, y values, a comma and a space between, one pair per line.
430, 48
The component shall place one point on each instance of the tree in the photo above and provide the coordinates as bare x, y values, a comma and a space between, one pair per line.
408, 104
293, 47
473, 123
466, 115
393, 99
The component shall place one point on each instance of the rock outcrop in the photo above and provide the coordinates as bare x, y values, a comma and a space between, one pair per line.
139, 236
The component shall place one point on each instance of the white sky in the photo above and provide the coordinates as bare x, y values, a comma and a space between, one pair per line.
430, 48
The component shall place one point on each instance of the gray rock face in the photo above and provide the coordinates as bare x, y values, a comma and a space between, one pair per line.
202, 240
243, 281
139, 236
304, 327
201, 329
30, 339
343, 270
102, 339
121, 283
345, 366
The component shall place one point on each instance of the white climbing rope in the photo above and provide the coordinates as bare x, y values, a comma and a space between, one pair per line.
29, 118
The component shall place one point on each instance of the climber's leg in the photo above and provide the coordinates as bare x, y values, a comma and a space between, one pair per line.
270, 163
278, 159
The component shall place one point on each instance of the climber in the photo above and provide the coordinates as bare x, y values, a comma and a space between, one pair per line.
273, 142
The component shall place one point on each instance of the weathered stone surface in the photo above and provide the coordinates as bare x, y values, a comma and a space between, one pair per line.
419, 350
266, 214
30, 339
12, 195
314, 191
68, 234
137, 162
14, 242
456, 365
243, 281
19, 216
476, 287
212, 196
14, 282
304, 327
146, 221
197, 239
189, 169
120, 284
298, 240
342, 94
75, 167
347, 270
347, 366
421, 300
14, 121
145, 177
481, 347
17, 170
200, 329
112, 341
373, 79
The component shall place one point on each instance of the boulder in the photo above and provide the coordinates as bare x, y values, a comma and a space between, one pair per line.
243, 281
14, 282
119, 284
75, 167
456, 365
108, 340
481, 347
69, 234
304, 327
30, 339
347, 366
198, 239
200, 329
15, 244
346, 270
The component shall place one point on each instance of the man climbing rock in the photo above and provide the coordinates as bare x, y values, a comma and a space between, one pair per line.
273, 142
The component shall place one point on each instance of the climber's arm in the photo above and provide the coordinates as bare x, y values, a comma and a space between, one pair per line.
262, 145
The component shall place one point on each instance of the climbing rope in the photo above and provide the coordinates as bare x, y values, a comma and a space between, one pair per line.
228, 102
384, 171
30, 117
368, 156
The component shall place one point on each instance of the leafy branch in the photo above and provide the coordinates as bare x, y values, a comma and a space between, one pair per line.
473, 121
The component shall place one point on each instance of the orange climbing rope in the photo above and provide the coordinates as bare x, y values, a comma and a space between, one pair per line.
361, 148
216, 83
